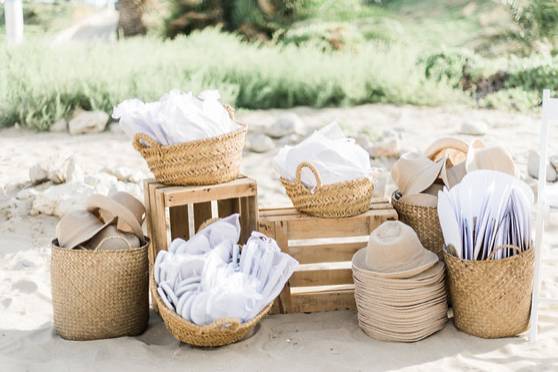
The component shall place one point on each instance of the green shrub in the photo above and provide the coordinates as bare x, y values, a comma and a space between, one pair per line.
515, 99
41, 84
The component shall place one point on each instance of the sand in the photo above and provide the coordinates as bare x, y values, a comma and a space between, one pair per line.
323, 341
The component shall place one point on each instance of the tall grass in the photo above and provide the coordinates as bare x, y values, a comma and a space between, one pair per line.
40, 84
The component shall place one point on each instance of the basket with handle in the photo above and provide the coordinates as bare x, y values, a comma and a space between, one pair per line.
342, 199
491, 298
219, 333
99, 294
206, 161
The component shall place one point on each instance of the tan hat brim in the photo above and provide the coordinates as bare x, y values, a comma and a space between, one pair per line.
425, 262
98, 202
77, 227
428, 277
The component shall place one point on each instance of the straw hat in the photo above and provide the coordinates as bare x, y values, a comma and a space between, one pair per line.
414, 172
394, 251
109, 238
454, 149
77, 227
120, 206
491, 158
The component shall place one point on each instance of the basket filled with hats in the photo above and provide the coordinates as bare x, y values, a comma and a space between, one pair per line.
185, 140
399, 286
487, 231
421, 176
99, 270
326, 175
212, 293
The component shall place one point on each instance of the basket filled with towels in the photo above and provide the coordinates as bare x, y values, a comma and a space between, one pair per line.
327, 174
185, 139
99, 270
212, 293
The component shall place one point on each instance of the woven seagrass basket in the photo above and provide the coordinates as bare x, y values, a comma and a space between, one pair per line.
491, 298
207, 161
343, 199
99, 293
219, 333
424, 220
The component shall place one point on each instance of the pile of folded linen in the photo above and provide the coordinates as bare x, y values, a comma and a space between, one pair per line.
209, 277
177, 117
399, 286
108, 223
336, 157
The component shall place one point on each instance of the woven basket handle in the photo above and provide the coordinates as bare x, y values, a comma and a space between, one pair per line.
505, 246
312, 168
143, 141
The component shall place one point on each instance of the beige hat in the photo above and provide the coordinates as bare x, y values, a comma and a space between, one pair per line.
110, 238
127, 210
77, 227
454, 149
490, 158
414, 172
394, 251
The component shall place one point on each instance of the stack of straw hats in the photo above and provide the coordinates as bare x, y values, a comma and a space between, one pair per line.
399, 286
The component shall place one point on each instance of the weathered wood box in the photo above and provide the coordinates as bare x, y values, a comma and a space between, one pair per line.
324, 247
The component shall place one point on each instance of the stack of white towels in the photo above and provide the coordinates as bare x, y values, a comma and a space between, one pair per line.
336, 157
177, 117
209, 277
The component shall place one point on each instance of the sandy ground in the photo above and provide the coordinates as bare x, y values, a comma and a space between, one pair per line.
326, 341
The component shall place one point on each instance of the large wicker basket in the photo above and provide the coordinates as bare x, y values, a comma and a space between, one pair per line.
218, 333
424, 220
99, 294
203, 162
491, 298
343, 199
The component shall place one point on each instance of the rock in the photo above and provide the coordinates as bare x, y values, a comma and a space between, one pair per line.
58, 200
59, 126
126, 174
62, 170
533, 167
259, 143
288, 123
473, 128
38, 174
554, 161
291, 139
88, 122
386, 146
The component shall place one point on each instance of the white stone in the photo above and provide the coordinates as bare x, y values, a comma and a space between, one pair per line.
260, 143
85, 122
59, 126
38, 173
533, 167
126, 174
473, 128
62, 170
388, 144
58, 200
554, 161
288, 123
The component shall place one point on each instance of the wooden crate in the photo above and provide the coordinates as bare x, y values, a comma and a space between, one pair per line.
178, 211
324, 247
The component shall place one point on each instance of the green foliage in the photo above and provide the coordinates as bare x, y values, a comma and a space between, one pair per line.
42, 84
515, 99
450, 66
536, 78
537, 19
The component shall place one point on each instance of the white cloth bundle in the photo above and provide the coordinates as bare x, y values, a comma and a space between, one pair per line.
207, 278
336, 157
177, 117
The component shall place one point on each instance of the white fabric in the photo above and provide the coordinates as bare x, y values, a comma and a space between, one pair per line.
177, 117
336, 157
207, 278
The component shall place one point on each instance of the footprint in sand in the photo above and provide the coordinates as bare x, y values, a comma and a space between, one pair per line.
25, 286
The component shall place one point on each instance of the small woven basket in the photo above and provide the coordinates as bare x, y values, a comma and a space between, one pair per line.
219, 333
424, 220
99, 293
207, 161
491, 298
343, 199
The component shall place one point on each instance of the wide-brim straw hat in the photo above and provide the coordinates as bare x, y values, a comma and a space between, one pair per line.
109, 238
490, 158
414, 172
394, 251
120, 206
77, 227
453, 149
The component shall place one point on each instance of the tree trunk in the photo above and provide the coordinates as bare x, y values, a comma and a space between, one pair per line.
130, 21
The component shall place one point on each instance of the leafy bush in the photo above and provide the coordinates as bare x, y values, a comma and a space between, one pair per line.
40, 84
515, 99
537, 19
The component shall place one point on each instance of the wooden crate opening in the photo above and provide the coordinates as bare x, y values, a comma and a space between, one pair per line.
324, 247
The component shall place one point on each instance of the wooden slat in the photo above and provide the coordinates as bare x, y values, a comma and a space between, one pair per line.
152, 217
202, 213
248, 217
326, 252
160, 222
281, 234
318, 277
196, 194
332, 299
290, 212
226, 207
179, 222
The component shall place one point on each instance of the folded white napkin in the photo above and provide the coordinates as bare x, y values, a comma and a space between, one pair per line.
176, 118
336, 157
207, 278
